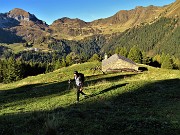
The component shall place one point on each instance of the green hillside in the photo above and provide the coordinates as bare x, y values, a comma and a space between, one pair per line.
154, 38
144, 103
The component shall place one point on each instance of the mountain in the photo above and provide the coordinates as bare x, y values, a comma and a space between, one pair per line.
159, 37
66, 27
125, 19
153, 29
22, 24
115, 29
121, 21
18, 17
173, 10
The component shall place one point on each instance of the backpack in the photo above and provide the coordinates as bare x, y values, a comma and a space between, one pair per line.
82, 77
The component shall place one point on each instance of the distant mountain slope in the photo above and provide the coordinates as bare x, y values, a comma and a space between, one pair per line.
29, 27
147, 27
125, 19
153, 38
160, 36
69, 28
23, 24
173, 10
119, 22
20, 17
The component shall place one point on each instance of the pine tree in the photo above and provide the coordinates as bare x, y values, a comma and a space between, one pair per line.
72, 58
162, 58
49, 68
157, 58
123, 51
1, 71
63, 63
117, 50
167, 63
155, 62
11, 71
145, 59
135, 55
176, 62
95, 57
57, 64
69, 58
83, 57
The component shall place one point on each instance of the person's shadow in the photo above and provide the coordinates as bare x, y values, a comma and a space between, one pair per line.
106, 90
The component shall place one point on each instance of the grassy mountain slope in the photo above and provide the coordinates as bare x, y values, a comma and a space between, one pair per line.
173, 9
153, 38
117, 103
160, 36
75, 29
125, 19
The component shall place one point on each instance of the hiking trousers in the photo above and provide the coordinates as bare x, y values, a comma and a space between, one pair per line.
79, 91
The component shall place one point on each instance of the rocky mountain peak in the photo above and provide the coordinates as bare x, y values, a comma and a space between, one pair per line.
20, 14
70, 22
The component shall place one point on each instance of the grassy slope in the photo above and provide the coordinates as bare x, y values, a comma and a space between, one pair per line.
119, 103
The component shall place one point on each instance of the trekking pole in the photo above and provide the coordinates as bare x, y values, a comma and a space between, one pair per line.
69, 82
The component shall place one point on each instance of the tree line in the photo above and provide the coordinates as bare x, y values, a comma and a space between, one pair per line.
154, 44
163, 60
157, 38
12, 69
15, 68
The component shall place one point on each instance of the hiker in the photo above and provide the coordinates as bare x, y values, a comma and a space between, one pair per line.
79, 80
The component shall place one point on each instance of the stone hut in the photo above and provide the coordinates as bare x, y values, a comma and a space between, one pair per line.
117, 62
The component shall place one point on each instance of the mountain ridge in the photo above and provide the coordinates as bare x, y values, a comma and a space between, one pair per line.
30, 28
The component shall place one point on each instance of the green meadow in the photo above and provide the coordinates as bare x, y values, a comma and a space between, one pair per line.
124, 103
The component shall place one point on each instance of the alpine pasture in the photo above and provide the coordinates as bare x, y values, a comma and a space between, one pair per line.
121, 103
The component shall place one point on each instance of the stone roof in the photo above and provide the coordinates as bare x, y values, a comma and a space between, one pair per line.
116, 57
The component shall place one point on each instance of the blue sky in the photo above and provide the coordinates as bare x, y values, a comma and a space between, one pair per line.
87, 10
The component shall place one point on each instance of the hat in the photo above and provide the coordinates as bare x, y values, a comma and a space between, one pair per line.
75, 72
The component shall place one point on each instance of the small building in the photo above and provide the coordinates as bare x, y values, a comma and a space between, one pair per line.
118, 63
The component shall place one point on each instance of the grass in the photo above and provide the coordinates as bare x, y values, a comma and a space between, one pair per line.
117, 103
16, 47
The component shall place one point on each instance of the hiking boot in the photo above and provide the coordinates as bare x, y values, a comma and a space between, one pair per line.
85, 96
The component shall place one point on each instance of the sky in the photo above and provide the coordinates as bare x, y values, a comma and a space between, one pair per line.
87, 10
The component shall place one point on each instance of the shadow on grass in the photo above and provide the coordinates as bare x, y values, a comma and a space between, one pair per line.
100, 78
152, 109
108, 89
45, 89
33, 91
